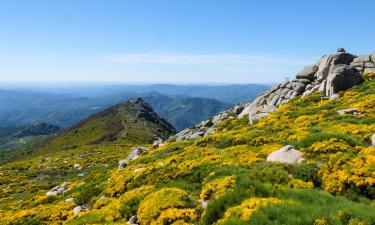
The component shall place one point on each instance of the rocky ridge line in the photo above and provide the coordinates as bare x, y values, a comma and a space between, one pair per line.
329, 75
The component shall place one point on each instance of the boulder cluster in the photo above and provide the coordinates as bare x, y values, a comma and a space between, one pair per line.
330, 75
207, 127
58, 190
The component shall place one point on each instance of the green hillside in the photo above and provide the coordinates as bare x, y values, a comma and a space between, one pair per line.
133, 122
222, 178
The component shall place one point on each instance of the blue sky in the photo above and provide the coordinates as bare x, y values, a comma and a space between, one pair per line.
169, 41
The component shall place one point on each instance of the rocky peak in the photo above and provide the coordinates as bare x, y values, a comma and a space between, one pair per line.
330, 74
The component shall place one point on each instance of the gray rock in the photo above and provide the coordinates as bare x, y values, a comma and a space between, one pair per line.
209, 131
133, 220
308, 72
122, 164
157, 143
195, 135
369, 70
207, 123
372, 55
79, 209
238, 109
77, 166
287, 154
348, 111
335, 96
82, 174
324, 66
341, 78
373, 140
58, 190
136, 152
70, 200
343, 58
256, 117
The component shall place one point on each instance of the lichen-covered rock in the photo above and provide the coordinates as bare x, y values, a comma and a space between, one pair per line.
287, 154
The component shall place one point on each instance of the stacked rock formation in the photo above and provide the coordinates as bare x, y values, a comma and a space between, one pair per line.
330, 75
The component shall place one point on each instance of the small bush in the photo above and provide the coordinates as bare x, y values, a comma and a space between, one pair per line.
307, 173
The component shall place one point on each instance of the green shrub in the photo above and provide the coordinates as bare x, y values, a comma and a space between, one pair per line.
307, 172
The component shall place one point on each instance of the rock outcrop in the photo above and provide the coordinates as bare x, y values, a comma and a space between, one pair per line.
329, 75
207, 127
287, 154
364, 63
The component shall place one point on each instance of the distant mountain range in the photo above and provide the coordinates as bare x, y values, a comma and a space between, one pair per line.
232, 93
182, 106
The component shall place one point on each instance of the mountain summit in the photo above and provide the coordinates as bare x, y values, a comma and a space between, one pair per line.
134, 122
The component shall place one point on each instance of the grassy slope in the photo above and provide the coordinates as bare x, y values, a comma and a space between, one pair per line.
228, 169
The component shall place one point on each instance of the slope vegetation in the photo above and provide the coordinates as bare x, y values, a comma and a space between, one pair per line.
222, 178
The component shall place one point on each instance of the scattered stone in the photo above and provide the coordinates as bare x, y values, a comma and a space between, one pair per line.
157, 143
58, 190
138, 170
133, 220
77, 166
122, 164
335, 96
82, 174
287, 154
69, 200
79, 209
348, 111
373, 140
136, 152
204, 203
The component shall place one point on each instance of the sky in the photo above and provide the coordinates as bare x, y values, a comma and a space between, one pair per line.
169, 41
